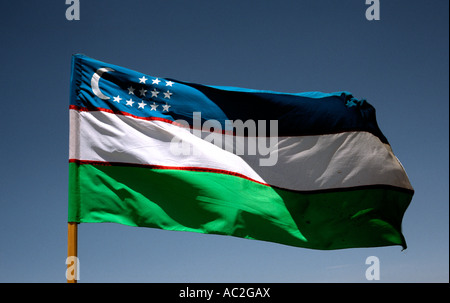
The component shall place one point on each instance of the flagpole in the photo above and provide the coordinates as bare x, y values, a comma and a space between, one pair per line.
72, 239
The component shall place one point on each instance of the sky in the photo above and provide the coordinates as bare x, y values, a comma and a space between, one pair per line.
399, 63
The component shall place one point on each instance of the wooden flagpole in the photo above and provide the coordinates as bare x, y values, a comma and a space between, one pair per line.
72, 256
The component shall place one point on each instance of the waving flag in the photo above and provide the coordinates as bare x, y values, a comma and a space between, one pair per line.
310, 169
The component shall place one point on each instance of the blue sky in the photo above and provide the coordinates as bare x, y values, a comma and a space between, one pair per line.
400, 64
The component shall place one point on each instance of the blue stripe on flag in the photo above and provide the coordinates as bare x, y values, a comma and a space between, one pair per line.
127, 91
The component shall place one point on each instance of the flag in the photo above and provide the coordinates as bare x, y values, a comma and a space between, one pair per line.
309, 169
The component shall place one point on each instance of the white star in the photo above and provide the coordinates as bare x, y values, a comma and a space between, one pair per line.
167, 94
143, 79
130, 102
154, 106
166, 107
117, 99
154, 93
131, 90
142, 91
156, 81
142, 104
169, 83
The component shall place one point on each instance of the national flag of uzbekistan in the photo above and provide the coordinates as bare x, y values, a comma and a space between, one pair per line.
309, 169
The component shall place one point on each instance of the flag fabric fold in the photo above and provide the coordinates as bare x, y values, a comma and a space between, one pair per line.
308, 169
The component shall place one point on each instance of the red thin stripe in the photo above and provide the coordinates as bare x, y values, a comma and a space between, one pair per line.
118, 112
225, 172
152, 166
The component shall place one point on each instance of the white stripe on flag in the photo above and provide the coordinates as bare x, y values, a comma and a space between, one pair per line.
303, 163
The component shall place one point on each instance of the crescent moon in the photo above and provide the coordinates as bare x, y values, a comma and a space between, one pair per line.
96, 78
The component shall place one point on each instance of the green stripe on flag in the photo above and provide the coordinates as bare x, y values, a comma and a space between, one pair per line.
213, 203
